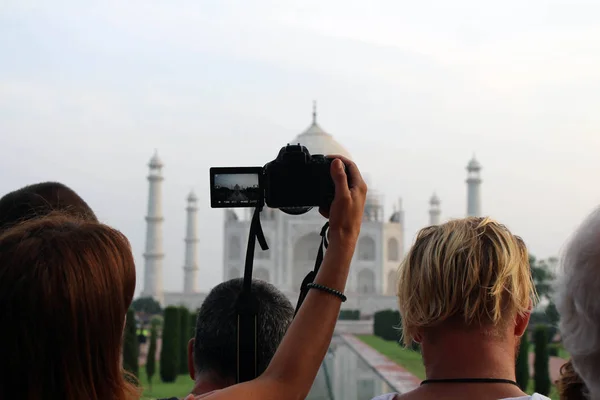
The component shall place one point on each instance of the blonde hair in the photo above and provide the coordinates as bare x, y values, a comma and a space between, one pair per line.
471, 268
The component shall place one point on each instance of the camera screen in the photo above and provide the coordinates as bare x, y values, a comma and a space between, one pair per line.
235, 187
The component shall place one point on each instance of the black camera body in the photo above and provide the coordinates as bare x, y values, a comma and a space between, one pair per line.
294, 182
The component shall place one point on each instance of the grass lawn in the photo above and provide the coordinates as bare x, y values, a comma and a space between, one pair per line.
411, 360
180, 388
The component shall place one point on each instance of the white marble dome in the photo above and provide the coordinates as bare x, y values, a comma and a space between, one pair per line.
317, 141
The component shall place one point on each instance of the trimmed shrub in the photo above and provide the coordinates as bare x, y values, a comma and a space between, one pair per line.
522, 367
193, 324
386, 325
170, 351
151, 358
349, 315
553, 350
541, 374
184, 338
131, 346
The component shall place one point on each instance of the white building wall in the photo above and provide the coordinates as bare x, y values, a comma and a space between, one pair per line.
233, 257
366, 304
392, 230
367, 259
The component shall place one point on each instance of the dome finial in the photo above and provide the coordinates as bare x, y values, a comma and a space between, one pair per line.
314, 115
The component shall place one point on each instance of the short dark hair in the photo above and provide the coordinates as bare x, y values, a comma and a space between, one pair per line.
216, 327
40, 200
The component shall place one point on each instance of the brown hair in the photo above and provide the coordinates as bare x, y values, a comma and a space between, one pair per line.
39, 200
65, 288
569, 385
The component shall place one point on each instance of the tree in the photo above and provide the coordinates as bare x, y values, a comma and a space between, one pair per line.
151, 359
541, 373
553, 317
552, 314
169, 352
522, 368
184, 338
131, 346
146, 305
542, 276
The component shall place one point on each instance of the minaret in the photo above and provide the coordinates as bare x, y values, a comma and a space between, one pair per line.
400, 213
153, 257
190, 269
434, 210
473, 188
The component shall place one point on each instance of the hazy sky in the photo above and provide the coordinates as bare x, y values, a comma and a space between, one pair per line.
412, 89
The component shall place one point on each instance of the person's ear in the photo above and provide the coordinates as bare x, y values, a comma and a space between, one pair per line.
521, 322
191, 359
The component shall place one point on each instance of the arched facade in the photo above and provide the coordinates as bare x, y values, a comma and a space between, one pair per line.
305, 253
261, 254
393, 250
366, 281
262, 274
366, 249
233, 273
392, 283
235, 248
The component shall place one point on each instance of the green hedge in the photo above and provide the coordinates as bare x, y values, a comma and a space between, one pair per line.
541, 375
386, 325
170, 351
349, 315
184, 338
151, 357
193, 324
522, 368
553, 350
131, 345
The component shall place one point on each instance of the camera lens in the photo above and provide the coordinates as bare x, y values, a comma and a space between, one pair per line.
296, 210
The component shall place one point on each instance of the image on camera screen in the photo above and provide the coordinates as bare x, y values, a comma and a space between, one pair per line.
236, 190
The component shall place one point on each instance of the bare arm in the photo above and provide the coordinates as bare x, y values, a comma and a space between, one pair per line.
295, 365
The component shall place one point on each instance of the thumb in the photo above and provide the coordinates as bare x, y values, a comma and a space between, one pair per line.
340, 179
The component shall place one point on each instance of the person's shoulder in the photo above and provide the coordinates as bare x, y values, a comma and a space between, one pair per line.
388, 396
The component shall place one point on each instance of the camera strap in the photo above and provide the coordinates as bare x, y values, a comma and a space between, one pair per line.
310, 277
246, 307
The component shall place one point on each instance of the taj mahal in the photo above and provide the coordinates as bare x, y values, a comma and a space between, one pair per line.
294, 240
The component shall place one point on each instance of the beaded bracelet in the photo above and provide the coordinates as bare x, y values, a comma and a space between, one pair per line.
334, 292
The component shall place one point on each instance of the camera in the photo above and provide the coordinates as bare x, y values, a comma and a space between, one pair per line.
294, 182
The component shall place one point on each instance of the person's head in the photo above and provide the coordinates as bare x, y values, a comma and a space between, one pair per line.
576, 299
39, 200
65, 288
569, 384
212, 353
467, 276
